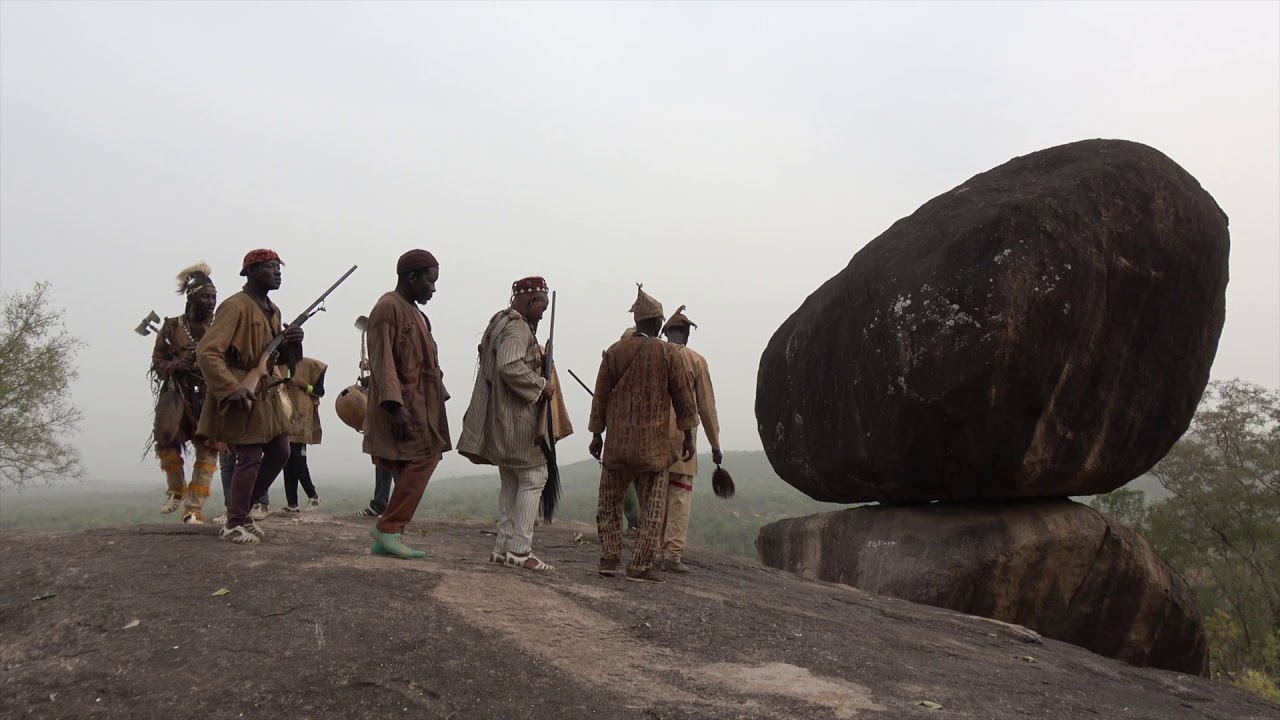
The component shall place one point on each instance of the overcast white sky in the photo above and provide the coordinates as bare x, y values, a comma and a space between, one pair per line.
730, 156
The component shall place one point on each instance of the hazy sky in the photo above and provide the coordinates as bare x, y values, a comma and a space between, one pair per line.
730, 156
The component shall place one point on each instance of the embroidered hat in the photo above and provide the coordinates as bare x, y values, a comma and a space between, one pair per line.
531, 284
260, 255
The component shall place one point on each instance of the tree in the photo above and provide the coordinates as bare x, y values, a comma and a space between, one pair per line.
1126, 505
1221, 527
37, 366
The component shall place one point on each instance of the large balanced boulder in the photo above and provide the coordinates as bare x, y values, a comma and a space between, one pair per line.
1043, 330
1055, 566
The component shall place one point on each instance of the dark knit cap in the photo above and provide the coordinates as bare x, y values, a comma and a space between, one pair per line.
415, 260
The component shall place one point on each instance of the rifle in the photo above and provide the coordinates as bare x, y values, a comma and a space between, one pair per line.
253, 380
547, 431
584, 385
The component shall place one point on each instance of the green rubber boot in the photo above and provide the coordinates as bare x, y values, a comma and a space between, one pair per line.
389, 544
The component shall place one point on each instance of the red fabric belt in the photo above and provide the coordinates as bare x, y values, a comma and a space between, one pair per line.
680, 485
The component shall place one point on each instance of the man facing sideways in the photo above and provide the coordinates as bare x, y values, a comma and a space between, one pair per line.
501, 424
640, 380
675, 523
181, 391
405, 429
306, 387
254, 423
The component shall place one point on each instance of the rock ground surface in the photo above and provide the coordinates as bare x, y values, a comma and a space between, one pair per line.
315, 627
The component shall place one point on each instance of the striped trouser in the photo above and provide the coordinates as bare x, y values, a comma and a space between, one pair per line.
675, 521
518, 504
652, 487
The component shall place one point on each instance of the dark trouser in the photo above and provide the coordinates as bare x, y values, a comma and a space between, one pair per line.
227, 464
381, 490
411, 482
256, 468
296, 471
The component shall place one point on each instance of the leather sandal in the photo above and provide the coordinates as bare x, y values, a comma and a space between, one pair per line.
238, 535
518, 561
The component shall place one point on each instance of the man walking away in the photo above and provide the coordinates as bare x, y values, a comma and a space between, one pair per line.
640, 380
306, 388
675, 523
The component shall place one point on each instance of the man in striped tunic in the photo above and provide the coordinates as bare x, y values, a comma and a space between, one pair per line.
641, 379
501, 422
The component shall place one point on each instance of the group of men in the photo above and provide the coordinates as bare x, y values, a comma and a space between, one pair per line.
649, 398
202, 353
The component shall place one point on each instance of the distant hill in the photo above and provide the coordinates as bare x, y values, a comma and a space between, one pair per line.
728, 526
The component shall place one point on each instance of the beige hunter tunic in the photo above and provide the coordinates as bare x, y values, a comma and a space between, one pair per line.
700, 376
404, 366
230, 348
306, 408
501, 423
640, 380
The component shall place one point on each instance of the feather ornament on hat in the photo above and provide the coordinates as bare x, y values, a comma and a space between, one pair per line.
645, 307
679, 320
193, 278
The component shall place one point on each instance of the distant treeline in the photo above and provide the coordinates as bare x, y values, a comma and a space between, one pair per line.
728, 526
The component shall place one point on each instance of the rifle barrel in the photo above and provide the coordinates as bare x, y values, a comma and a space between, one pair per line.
307, 313
584, 385
274, 345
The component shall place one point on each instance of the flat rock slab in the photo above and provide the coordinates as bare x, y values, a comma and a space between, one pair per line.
1057, 567
1045, 329
312, 626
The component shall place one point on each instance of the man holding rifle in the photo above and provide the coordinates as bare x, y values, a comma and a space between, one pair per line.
406, 430
501, 423
255, 427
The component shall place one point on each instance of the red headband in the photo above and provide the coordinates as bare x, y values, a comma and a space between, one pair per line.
260, 255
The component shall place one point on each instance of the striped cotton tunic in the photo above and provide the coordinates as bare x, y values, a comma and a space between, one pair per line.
500, 425
641, 380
